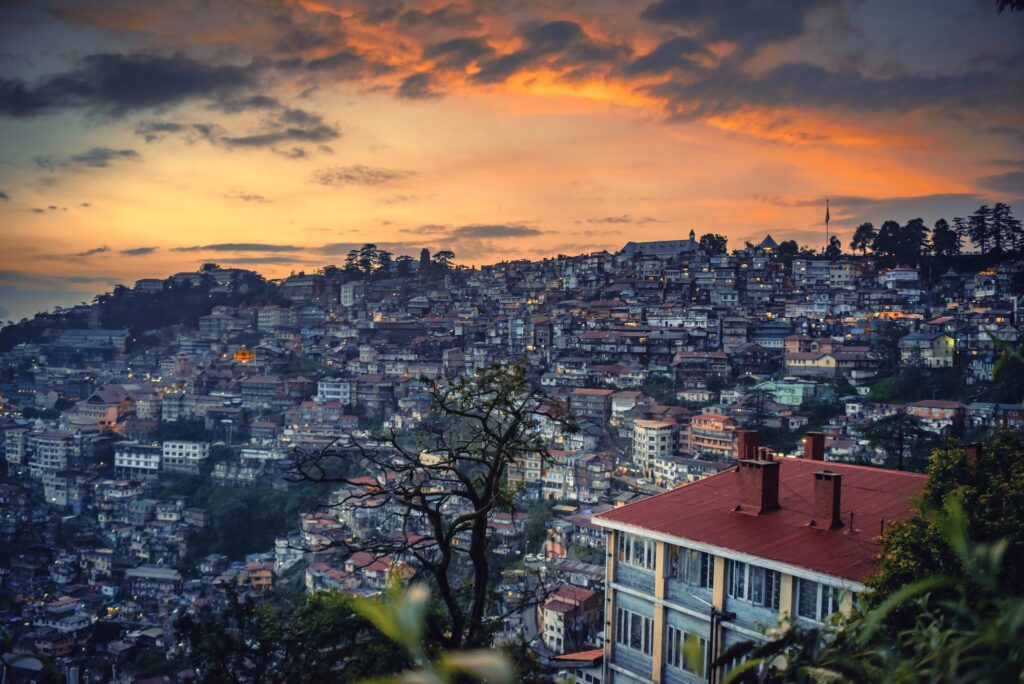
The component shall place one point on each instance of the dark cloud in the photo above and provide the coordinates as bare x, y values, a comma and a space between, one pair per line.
1008, 131
236, 105
97, 157
239, 247
809, 85
560, 44
117, 84
344, 64
248, 197
494, 231
1009, 183
4, 197
680, 53
299, 32
622, 218
749, 23
280, 125
339, 248
80, 280
92, 252
449, 16
101, 156
357, 174
263, 260
318, 133
399, 199
458, 53
138, 251
153, 130
417, 87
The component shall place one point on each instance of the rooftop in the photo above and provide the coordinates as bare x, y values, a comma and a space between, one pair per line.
704, 512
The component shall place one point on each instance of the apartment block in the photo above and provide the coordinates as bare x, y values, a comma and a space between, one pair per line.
698, 569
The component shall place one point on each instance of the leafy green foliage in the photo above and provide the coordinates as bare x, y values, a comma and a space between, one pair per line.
992, 490
323, 639
242, 520
903, 439
915, 384
661, 389
713, 243
401, 617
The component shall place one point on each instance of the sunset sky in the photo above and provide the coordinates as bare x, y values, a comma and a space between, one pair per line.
138, 139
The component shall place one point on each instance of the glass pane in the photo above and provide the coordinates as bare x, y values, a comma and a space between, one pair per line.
757, 585
807, 598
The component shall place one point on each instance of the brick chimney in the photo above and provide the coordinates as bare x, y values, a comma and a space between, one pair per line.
746, 445
814, 446
828, 496
973, 454
759, 486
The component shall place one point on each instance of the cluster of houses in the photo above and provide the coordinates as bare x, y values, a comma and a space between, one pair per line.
671, 359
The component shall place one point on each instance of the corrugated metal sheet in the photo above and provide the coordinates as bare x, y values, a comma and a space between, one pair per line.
705, 512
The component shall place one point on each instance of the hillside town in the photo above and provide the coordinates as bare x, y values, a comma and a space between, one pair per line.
745, 423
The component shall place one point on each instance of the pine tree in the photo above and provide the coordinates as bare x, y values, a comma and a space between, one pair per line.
1005, 228
979, 228
945, 240
863, 238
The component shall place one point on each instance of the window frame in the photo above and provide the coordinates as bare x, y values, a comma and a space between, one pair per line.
636, 551
753, 584
634, 631
693, 567
676, 644
826, 599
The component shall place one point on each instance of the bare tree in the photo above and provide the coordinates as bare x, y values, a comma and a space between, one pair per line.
432, 494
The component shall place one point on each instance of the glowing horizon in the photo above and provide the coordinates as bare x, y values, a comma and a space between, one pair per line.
143, 140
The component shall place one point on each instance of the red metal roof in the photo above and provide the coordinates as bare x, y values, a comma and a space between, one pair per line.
591, 656
705, 512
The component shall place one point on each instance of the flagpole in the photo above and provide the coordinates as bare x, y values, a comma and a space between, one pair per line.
827, 217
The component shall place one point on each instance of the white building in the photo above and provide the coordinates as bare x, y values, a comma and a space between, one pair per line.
134, 461
335, 390
271, 318
653, 440
184, 457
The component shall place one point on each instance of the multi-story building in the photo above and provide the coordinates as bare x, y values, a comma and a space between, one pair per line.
271, 318
653, 440
570, 618
592, 404
134, 461
336, 390
927, 349
712, 434
52, 450
940, 416
184, 457
697, 569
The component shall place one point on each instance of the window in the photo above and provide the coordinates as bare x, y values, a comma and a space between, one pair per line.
636, 551
759, 586
633, 630
816, 601
686, 650
692, 566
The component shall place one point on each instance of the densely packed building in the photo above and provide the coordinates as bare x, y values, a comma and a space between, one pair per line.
669, 358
